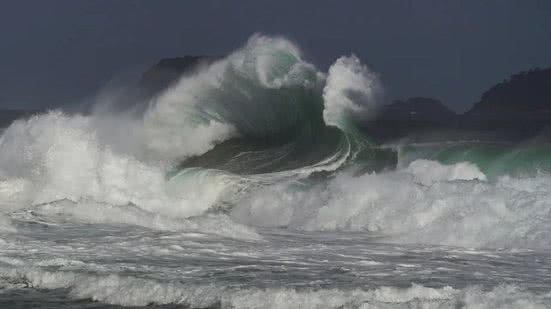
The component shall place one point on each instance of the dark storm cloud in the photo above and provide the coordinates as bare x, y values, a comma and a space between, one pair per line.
54, 52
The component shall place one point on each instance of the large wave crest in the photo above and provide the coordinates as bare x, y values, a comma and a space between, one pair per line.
263, 92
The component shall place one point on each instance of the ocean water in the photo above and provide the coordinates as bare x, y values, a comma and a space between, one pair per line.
248, 185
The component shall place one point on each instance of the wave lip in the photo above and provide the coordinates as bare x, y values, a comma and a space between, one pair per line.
259, 91
351, 90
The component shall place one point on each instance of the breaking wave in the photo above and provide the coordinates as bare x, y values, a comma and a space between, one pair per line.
262, 105
265, 138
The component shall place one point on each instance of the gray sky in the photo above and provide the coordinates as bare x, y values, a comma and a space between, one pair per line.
59, 51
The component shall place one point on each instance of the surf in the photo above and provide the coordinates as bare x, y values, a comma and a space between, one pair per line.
263, 138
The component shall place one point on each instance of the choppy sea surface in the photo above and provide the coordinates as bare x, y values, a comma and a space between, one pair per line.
83, 266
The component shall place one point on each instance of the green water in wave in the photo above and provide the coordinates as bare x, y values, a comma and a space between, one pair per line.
493, 159
274, 101
323, 146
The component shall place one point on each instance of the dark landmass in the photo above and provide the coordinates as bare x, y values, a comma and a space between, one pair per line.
516, 109
528, 91
519, 106
418, 115
419, 108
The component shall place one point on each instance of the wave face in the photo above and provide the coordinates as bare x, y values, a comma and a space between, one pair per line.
253, 169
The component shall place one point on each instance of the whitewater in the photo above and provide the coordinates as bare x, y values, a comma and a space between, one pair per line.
248, 184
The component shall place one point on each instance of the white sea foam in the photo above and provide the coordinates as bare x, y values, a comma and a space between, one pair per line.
350, 90
130, 291
90, 212
5, 226
55, 157
425, 202
428, 172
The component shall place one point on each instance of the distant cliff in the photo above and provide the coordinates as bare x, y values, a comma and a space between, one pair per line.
418, 108
414, 115
515, 109
519, 106
528, 91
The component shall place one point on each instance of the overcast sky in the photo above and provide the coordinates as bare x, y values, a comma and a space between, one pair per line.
55, 52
